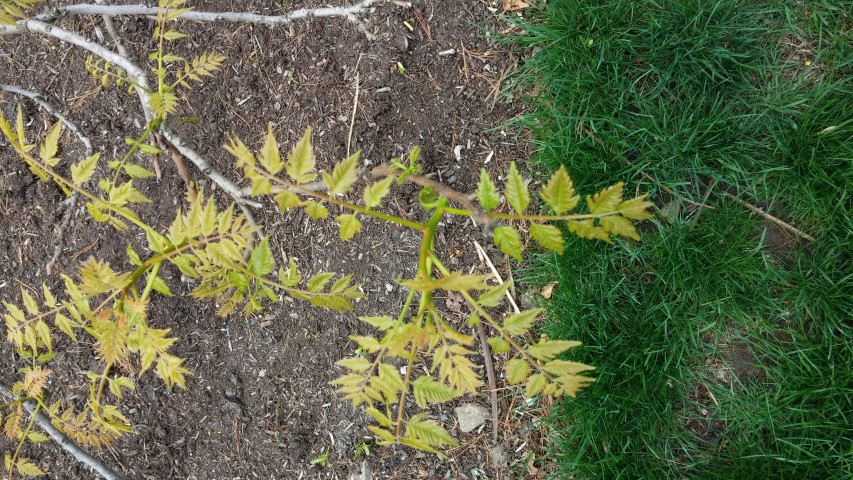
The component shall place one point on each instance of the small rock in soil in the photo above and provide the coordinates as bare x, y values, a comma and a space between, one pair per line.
471, 416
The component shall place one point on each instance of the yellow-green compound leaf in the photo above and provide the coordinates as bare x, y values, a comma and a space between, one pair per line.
29, 302
137, 171
236, 147
163, 103
27, 468
343, 176
428, 390
385, 437
261, 262
509, 241
173, 35
380, 323
98, 277
536, 384
269, 155
429, 431
606, 200
349, 225
546, 349
548, 236
559, 192
620, 226
83, 170
374, 193
356, 364
516, 190
316, 210
48, 148
380, 417
287, 199
635, 208
517, 371
587, 229
495, 295
520, 323
318, 282
487, 192
365, 343
499, 345
301, 160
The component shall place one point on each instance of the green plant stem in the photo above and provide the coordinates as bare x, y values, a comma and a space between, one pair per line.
23, 438
483, 313
402, 403
151, 278
341, 203
148, 129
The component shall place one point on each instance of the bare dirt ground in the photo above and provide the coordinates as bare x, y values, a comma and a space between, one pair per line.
258, 404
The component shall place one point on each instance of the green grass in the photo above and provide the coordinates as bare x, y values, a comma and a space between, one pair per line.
708, 99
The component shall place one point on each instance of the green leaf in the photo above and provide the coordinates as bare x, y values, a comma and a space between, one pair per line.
516, 190
343, 176
380, 417
48, 149
163, 103
427, 390
429, 431
82, 171
374, 193
517, 371
559, 192
606, 200
520, 323
548, 236
509, 241
160, 286
349, 225
261, 262
315, 210
269, 155
318, 282
487, 192
546, 349
495, 295
301, 160
27, 468
173, 35
149, 149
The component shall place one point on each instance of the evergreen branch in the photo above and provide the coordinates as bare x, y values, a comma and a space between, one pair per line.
60, 438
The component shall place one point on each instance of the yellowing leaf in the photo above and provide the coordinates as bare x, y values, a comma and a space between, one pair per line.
48, 149
516, 191
520, 323
269, 155
349, 225
509, 241
620, 226
559, 192
137, 171
606, 200
343, 176
546, 349
163, 103
82, 171
27, 468
356, 364
517, 371
315, 210
587, 229
301, 160
428, 390
374, 193
548, 236
487, 192
499, 345
536, 384
367, 344
635, 208
428, 431
287, 199
381, 323
173, 35
495, 295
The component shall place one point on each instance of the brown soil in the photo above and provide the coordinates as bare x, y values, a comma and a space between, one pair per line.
258, 404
